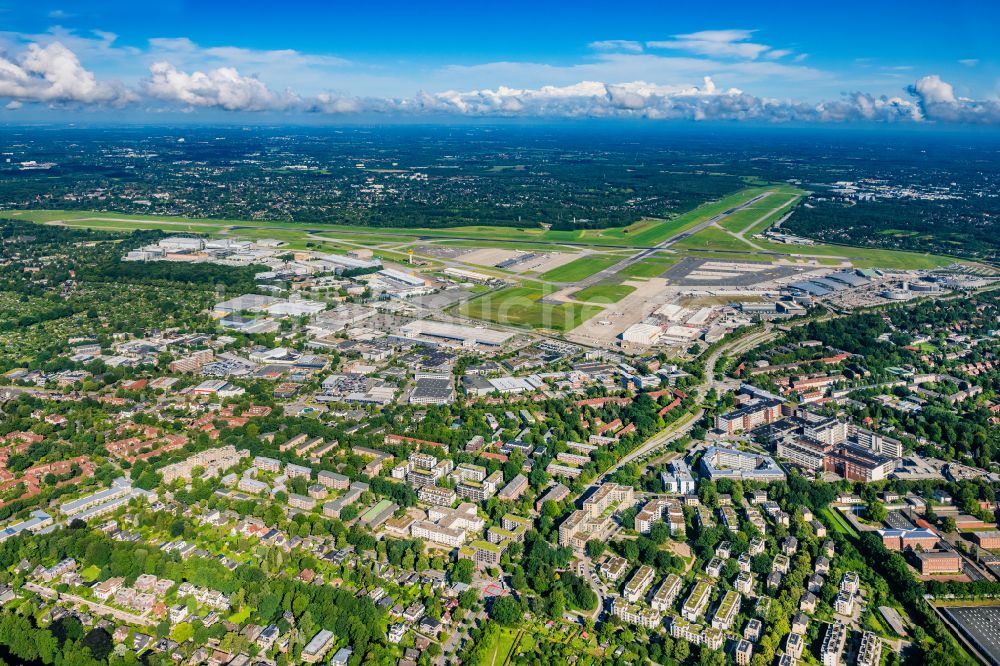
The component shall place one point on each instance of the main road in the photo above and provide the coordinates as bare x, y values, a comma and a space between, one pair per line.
684, 425
672, 432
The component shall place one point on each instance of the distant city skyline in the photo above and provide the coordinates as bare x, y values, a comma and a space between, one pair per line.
330, 62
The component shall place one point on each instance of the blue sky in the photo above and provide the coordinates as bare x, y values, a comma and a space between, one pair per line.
881, 62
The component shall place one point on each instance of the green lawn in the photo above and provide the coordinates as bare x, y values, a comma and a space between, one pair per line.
504, 647
91, 573
838, 523
581, 268
242, 616
519, 306
604, 293
864, 257
645, 234
777, 201
762, 225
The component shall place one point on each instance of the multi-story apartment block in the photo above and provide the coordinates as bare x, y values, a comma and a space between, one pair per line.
657, 509
753, 630
753, 413
420, 460
728, 608
870, 651
663, 599
844, 603
743, 652
437, 496
744, 583
213, 461
743, 562
634, 614
487, 553
613, 568
578, 527
794, 645
333, 480
833, 644
697, 601
468, 472
679, 479
608, 495
636, 588
696, 633
267, 464
301, 502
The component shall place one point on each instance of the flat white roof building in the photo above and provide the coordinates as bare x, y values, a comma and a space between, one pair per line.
349, 263
642, 334
296, 308
405, 278
246, 303
456, 332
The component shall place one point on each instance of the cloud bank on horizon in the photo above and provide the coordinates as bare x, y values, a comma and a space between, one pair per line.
50, 74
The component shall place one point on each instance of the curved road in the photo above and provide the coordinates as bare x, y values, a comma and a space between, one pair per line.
672, 432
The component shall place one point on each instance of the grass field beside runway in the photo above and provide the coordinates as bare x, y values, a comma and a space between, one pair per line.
713, 238
771, 208
644, 233
581, 268
520, 306
603, 293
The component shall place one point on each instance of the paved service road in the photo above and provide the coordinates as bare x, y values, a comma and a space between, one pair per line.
99, 608
685, 424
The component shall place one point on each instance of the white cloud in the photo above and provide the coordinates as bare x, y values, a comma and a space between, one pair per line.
639, 99
184, 50
932, 90
938, 102
616, 45
719, 44
53, 74
223, 87
969, 62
